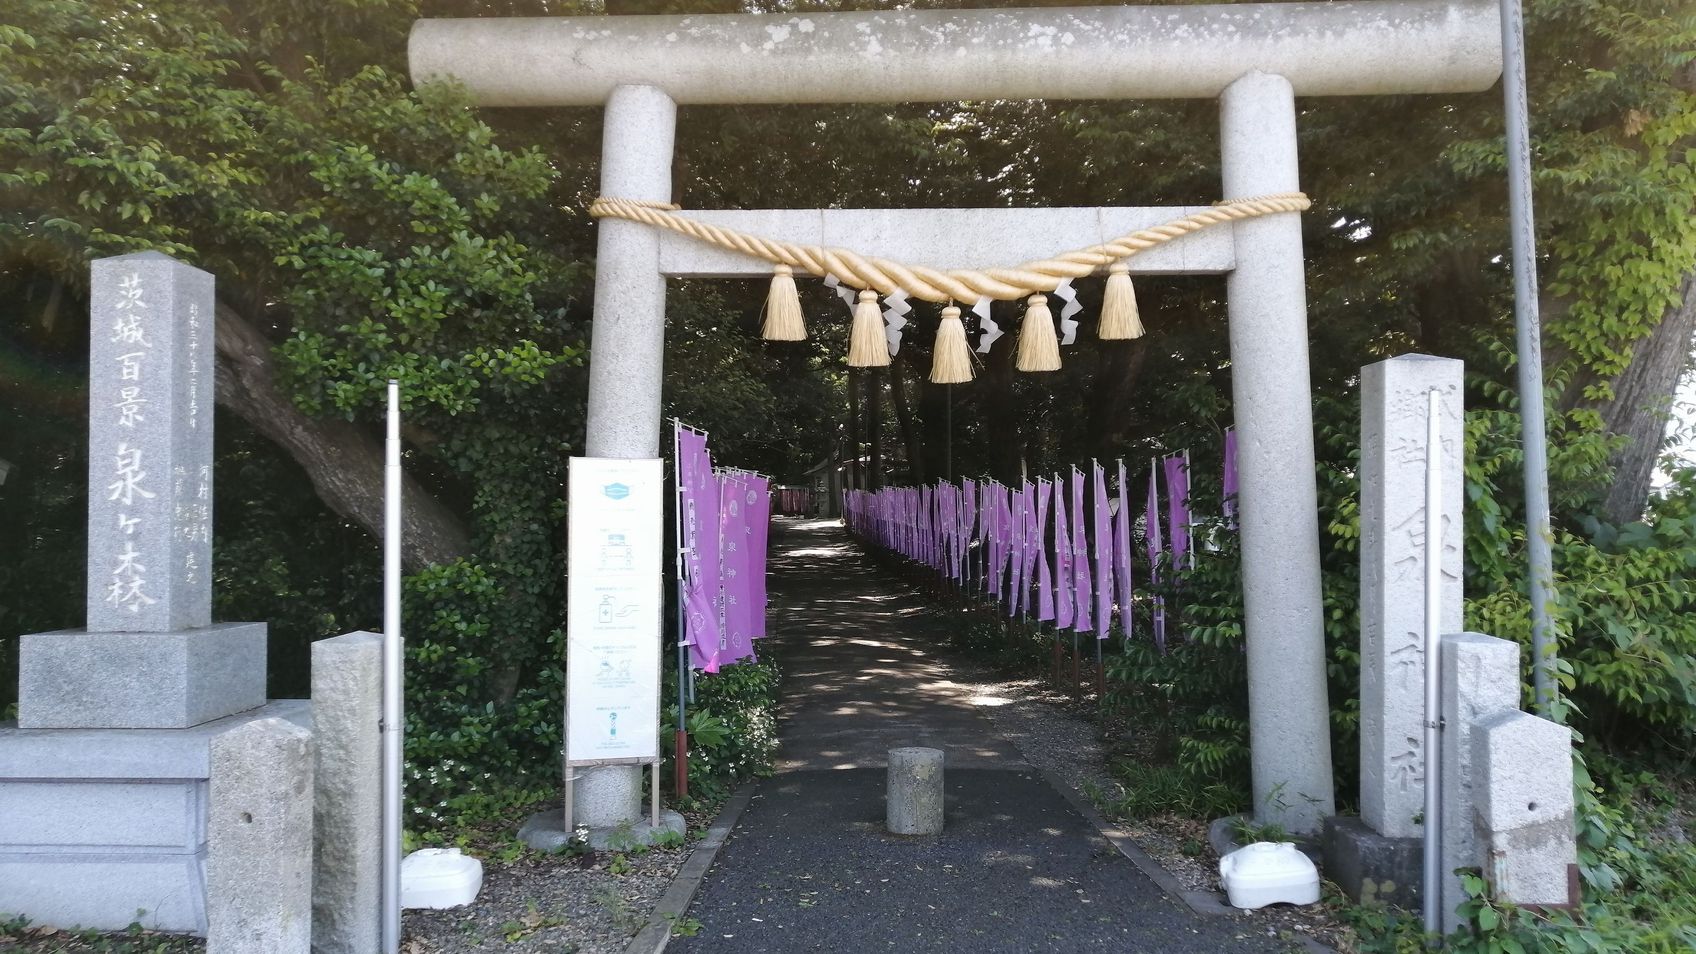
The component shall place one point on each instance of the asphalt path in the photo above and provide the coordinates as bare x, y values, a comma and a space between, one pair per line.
809, 866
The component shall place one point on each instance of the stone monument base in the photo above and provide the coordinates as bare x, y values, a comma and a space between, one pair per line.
102, 828
74, 679
1373, 868
545, 831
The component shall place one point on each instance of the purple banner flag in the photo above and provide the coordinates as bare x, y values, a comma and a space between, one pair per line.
1016, 584
759, 525
1177, 468
1064, 583
1122, 552
1044, 579
737, 641
1151, 535
1031, 545
1083, 596
1229, 505
699, 493
1004, 527
1103, 543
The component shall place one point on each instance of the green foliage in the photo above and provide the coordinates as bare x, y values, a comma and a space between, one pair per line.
732, 724
1011, 645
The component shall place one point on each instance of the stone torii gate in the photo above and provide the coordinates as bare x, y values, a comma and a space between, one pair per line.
1254, 58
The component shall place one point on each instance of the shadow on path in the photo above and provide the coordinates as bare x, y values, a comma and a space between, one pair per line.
809, 866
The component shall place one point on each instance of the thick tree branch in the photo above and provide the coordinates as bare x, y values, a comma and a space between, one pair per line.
344, 461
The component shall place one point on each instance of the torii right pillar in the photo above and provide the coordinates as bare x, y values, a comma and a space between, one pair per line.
1289, 735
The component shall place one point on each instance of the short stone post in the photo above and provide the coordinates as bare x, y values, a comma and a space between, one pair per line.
914, 791
259, 835
1480, 678
347, 689
1523, 816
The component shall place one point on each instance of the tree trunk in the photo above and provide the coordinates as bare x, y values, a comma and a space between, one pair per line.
1643, 395
343, 460
1006, 421
854, 376
1117, 370
934, 425
874, 424
909, 427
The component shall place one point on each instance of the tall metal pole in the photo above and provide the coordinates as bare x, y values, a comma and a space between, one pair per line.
1528, 342
392, 675
1433, 848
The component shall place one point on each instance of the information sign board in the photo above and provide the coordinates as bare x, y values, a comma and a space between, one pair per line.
616, 521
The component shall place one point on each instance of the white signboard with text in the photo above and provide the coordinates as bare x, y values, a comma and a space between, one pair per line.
613, 618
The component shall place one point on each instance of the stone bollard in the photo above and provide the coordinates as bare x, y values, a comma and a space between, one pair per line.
259, 840
915, 791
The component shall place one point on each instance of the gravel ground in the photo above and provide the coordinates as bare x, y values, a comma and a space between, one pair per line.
587, 904
1058, 734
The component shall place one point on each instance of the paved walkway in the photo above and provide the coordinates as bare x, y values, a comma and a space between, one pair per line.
809, 866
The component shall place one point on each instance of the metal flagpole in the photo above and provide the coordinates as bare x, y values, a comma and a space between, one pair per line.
1433, 847
1528, 342
1076, 526
392, 675
1100, 672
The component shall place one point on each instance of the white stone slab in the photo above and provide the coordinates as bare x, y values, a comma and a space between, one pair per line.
126, 753
97, 824
948, 238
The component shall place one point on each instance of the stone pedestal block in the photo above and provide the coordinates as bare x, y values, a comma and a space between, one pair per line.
347, 713
1373, 868
259, 833
75, 679
545, 831
98, 824
1394, 406
1523, 816
914, 791
1480, 678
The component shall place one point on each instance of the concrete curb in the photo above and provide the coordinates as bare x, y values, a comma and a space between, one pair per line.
653, 938
1203, 903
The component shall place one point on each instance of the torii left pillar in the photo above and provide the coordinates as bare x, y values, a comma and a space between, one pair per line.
628, 345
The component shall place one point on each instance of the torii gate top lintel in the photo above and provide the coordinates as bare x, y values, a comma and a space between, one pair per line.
1364, 47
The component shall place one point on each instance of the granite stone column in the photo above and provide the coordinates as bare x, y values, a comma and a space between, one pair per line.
1289, 732
626, 353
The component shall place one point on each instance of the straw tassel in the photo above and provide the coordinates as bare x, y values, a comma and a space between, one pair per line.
783, 309
952, 363
1039, 350
867, 346
1119, 319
